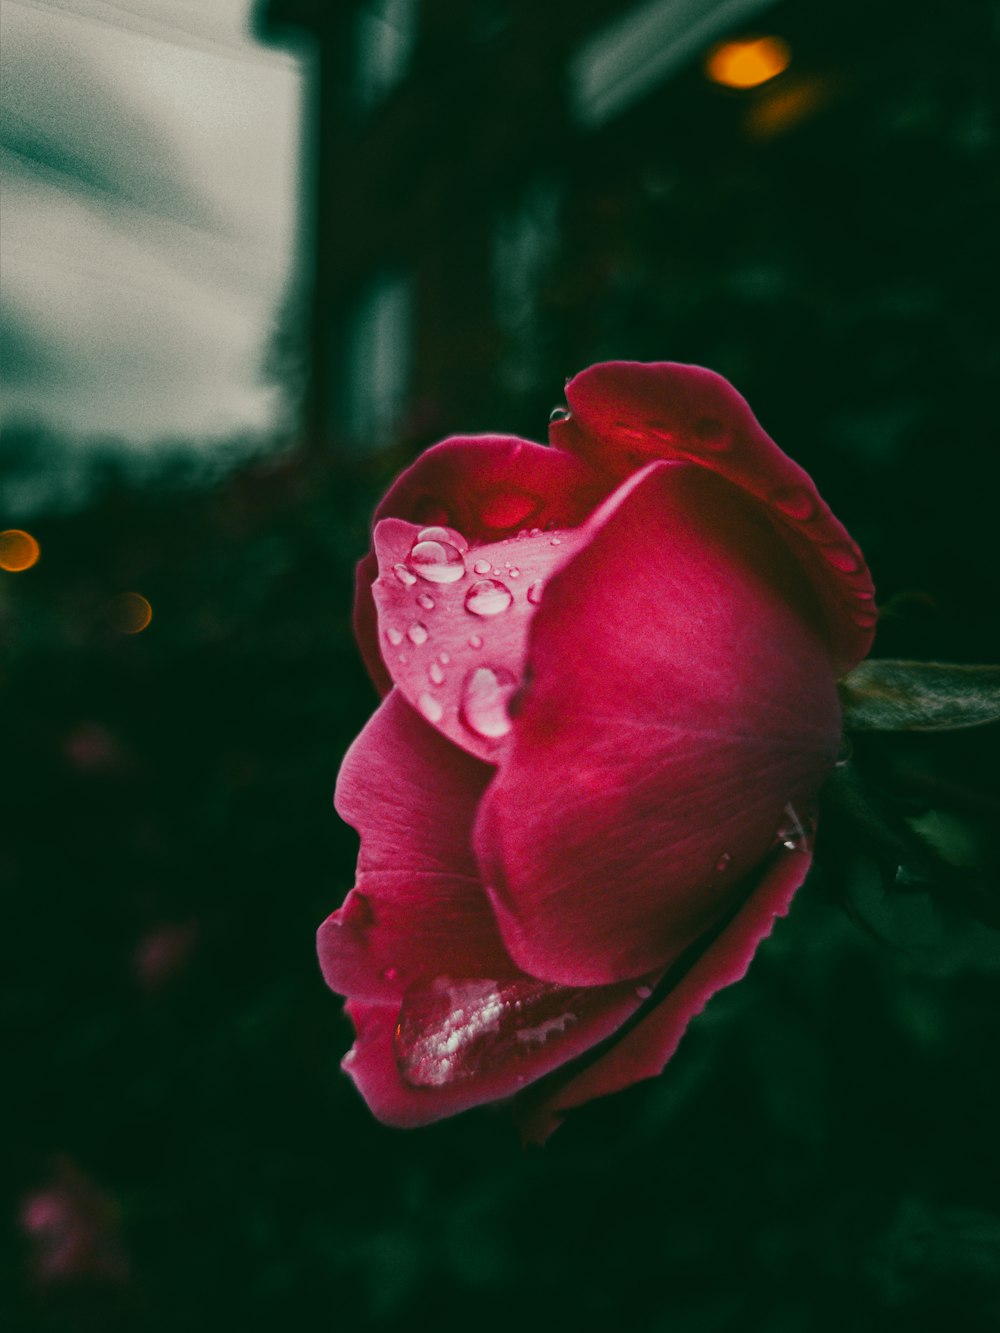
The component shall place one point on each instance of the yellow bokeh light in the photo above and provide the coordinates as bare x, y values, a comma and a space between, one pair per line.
18, 550
747, 64
130, 612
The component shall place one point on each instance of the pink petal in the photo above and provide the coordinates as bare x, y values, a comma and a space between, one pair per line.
456, 649
487, 487
681, 697
645, 1049
624, 414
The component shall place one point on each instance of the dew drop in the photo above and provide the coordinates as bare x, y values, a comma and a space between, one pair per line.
356, 913
792, 834
475, 641
394, 636
643, 992
488, 597
444, 659
841, 557
435, 673
795, 502
559, 414
437, 562
439, 533
432, 709
484, 702
535, 592
426, 601
417, 633
723, 861
405, 577
535, 532
482, 567
556, 541
514, 572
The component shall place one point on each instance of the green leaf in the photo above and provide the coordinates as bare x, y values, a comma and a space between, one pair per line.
919, 696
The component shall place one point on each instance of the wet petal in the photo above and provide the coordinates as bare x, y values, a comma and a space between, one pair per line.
643, 1051
454, 623
624, 414
681, 697
486, 487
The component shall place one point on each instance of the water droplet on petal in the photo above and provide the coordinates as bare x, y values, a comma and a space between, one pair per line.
643, 992
482, 567
723, 861
484, 702
488, 597
535, 532
439, 533
417, 633
356, 912
535, 592
556, 541
437, 562
450, 1030
426, 601
841, 557
712, 433
792, 835
436, 674
560, 414
432, 709
444, 659
475, 641
394, 636
405, 577
795, 501
514, 572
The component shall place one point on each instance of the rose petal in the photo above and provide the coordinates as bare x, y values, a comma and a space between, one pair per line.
681, 697
487, 487
624, 414
644, 1050
456, 649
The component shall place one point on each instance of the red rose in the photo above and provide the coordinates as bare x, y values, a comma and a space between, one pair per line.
610, 672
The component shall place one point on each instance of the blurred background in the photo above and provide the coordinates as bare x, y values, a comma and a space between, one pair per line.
254, 258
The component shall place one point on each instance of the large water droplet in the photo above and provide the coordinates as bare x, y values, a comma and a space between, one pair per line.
488, 597
444, 658
432, 709
417, 633
394, 636
794, 501
482, 567
405, 577
437, 562
535, 592
484, 702
559, 414
450, 1030
425, 600
435, 674
439, 533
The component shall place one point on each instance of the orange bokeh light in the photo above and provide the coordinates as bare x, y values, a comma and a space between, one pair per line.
130, 612
747, 64
18, 550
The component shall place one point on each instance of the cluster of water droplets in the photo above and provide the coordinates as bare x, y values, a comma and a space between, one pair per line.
450, 1030
440, 555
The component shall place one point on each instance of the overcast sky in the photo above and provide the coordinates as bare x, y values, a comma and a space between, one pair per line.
149, 152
